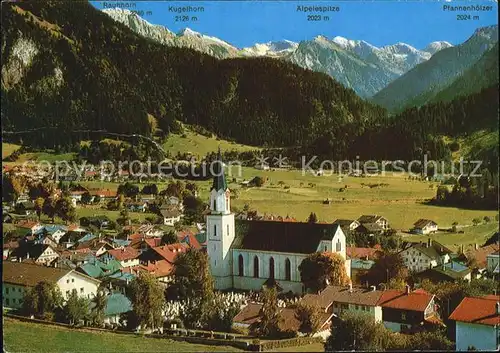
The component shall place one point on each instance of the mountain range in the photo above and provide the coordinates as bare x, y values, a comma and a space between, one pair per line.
355, 63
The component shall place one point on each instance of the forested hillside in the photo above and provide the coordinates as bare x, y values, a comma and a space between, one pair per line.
72, 67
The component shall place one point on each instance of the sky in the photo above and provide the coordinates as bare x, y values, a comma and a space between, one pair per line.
380, 22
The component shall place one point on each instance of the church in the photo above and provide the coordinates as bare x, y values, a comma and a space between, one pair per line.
248, 254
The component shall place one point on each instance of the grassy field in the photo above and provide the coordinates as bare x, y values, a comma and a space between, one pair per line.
8, 149
29, 337
287, 192
199, 145
85, 212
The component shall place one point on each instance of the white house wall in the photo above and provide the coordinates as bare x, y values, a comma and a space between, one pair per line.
84, 286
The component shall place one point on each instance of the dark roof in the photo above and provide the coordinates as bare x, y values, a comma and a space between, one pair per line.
29, 275
369, 218
435, 250
369, 227
170, 213
421, 223
338, 294
449, 272
291, 237
219, 178
34, 250
27, 205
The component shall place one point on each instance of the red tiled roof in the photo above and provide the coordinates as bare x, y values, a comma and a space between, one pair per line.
415, 301
27, 224
103, 192
169, 252
477, 310
188, 237
153, 242
160, 268
362, 253
11, 245
249, 314
127, 253
481, 253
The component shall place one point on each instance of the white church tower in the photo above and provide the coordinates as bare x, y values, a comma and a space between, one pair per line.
220, 228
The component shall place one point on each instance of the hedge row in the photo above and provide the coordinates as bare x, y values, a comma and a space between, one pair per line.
290, 342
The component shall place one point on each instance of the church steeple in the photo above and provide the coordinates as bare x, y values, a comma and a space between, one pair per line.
219, 182
219, 194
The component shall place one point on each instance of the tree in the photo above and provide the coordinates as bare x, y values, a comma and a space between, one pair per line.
76, 308
42, 300
147, 298
486, 219
192, 276
169, 238
312, 218
268, 325
97, 313
150, 189
318, 270
124, 218
97, 199
128, 190
65, 209
476, 221
49, 208
193, 209
86, 198
388, 266
309, 316
258, 181
357, 331
39, 206
429, 341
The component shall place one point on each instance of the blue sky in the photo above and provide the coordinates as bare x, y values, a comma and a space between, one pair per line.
244, 23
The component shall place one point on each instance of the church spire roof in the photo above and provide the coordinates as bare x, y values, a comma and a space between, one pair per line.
219, 182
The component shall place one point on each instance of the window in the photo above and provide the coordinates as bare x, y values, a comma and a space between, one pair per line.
288, 270
72, 280
271, 267
67, 281
403, 316
326, 249
228, 229
81, 290
215, 203
215, 230
67, 293
6, 290
338, 246
357, 307
7, 301
256, 267
240, 266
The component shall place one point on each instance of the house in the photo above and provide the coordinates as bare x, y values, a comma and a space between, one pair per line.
159, 260
26, 208
149, 230
126, 256
101, 222
76, 196
245, 254
30, 227
170, 216
421, 256
359, 269
288, 322
147, 198
479, 256
407, 311
492, 264
19, 277
39, 253
364, 253
98, 269
116, 305
370, 229
173, 201
104, 194
136, 206
347, 225
382, 222
340, 299
477, 323
424, 226
449, 272
9, 247
187, 237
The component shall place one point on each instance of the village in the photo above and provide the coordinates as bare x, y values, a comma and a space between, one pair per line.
285, 281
